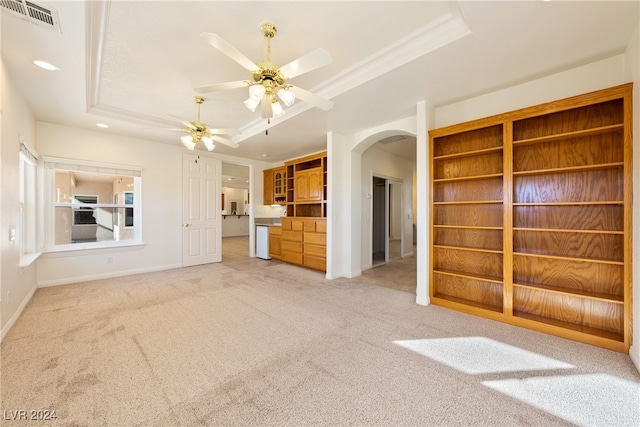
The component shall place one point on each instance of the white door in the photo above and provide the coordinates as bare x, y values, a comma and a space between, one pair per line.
202, 219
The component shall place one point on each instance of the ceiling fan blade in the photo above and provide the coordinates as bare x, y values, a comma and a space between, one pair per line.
224, 131
222, 86
312, 60
184, 122
175, 129
223, 46
312, 98
224, 141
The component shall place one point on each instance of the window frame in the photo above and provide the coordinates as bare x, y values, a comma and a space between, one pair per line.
53, 164
27, 232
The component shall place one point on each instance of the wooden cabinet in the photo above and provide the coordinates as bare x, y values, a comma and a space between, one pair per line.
275, 242
274, 182
280, 185
267, 183
531, 217
309, 185
304, 242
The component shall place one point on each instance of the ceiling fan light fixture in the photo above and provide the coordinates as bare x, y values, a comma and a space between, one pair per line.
208, 142
256, 91
251, 103
188, 142
287, 96
276, 108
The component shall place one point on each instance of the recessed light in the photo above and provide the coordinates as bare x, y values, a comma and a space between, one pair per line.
265, 155
46, 65
102, 125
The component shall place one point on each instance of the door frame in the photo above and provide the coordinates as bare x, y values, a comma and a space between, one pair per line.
388, 181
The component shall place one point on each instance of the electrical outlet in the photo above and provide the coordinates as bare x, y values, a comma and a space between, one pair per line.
110, 260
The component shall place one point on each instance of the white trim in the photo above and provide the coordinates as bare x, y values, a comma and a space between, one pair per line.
90, 166
17, 314
91, 277
71, 249
634, 354
29, 258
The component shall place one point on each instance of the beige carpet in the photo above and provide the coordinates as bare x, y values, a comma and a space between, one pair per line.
251, 342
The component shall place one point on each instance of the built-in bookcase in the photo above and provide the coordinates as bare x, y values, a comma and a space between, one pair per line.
531, 217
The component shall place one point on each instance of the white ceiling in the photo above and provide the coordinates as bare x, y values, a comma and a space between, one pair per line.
133, 64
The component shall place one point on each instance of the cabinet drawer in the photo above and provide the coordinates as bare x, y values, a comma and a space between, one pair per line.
291, 246
295, 236
315, 250
321, 226
315, 263
309, 225
292, 257
292, 224
275, 231
315, 238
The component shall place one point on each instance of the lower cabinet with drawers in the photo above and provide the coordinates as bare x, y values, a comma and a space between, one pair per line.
304, 241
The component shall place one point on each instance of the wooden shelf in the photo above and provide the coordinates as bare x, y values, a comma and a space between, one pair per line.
470, 276
576, 134
467, 227
562, 230
470, 202
566, 258
571, 292
613, 336
608, 202
468, 248
469, 153
569, 169
466, 302
468, 178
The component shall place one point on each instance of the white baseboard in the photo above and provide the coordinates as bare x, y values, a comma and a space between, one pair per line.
17, 314
68, 281
634, 354
422, 301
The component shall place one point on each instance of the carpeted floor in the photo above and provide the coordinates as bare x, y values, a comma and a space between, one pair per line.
250, 342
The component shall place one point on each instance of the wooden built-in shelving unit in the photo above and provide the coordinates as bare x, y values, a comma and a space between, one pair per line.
531, 217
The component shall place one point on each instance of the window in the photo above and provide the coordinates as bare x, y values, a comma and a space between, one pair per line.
93, 205
26, 234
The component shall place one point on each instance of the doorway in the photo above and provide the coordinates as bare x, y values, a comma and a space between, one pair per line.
386, 233
236, 209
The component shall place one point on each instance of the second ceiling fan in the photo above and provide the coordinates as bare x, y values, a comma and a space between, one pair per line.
268, 85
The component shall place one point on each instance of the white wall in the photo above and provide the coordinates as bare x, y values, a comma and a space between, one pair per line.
17, 120
632, 71
161, 203
379, 163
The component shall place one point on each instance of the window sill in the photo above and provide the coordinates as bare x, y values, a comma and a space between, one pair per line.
73, 248
27, 259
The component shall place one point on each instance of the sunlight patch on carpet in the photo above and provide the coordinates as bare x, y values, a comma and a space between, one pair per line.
586, 400
480, 355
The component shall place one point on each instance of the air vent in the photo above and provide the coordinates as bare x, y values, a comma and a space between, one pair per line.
42, 16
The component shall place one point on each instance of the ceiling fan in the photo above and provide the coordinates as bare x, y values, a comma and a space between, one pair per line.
199, 131
269, 80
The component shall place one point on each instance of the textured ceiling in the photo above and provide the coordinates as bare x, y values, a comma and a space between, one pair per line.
134, 64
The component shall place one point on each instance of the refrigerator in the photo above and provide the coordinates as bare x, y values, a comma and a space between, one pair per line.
262, 241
